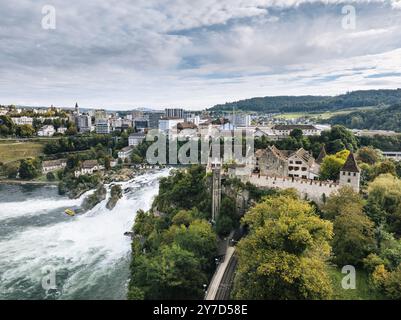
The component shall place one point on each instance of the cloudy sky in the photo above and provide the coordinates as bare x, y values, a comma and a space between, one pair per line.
194, 53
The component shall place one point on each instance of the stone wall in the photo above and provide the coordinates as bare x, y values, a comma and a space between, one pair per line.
307, 189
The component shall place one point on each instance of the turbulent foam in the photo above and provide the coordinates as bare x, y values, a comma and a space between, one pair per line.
82, 249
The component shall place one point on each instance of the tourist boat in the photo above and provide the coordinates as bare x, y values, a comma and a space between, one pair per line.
70, 212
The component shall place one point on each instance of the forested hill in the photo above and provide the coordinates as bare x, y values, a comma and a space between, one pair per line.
382, 119
353, 99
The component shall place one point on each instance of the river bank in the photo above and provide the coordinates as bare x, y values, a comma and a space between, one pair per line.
28, 182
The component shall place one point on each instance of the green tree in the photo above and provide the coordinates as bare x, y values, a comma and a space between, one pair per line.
369, 155
25, 131
332, 164
297, 134
284, 255
353, 238
28, 169
384, 202
344, 201
50, 176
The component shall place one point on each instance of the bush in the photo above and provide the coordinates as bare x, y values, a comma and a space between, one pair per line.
50, 176
224, 225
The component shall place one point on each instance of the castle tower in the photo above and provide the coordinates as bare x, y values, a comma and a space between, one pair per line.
350, 174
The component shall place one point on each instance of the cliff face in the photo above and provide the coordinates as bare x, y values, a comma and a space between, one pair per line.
116, 194
98, 196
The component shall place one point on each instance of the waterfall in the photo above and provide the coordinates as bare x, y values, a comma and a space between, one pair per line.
88, 253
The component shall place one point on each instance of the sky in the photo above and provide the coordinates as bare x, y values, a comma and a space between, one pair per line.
124, 54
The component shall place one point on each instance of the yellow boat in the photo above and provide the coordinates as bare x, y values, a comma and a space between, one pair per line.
70, 212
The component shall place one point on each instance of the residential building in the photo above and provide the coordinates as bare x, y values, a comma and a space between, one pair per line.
125, 153
174, 113
394, 155
154, 118
53, 165
19, 121
286, 129
102, 126
136, 139
88, 167
83, 123
141, 124
239, 119
167, 124
62, 130
46, 131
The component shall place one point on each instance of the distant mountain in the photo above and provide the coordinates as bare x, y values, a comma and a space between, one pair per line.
382, 119
275, 104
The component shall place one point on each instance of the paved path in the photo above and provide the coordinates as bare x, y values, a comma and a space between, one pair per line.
220, 277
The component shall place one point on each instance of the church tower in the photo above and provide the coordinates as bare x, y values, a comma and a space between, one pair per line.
350, 174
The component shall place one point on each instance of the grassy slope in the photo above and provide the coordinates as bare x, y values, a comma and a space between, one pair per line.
362, 292
321, 115
10, 152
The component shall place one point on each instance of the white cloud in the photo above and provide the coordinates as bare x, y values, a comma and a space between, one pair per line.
192, 53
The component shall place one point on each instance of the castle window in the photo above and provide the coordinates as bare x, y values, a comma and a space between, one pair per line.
354, 174
290, 168
343, 173
298, 162
304, 177
349, 173
291, 162
349, 180
304, 169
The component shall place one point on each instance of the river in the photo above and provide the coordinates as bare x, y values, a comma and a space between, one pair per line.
87, 255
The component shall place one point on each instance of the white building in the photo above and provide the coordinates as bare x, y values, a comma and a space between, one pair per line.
102, 126
394, 155
125, 153
22, 120
167, 124
285, 130
62, 130
46, 131
53, 165
88, 167
239, 119
136, 139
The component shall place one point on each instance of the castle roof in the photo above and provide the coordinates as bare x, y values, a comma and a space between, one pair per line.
350, 164
322, 154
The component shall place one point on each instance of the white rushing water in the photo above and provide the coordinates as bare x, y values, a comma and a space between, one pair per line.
89, 253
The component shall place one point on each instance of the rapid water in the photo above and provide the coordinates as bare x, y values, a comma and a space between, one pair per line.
88, 254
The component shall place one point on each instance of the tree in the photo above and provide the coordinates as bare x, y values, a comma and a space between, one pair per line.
386, 166
224, 225
384, 202
25, 131
28, 169
297, 134
50, 176
353, 238
182, 217
344, 201
332, 164
369, 155
284, 255
172, 273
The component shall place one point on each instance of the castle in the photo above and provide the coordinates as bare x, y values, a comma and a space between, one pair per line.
283, 169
